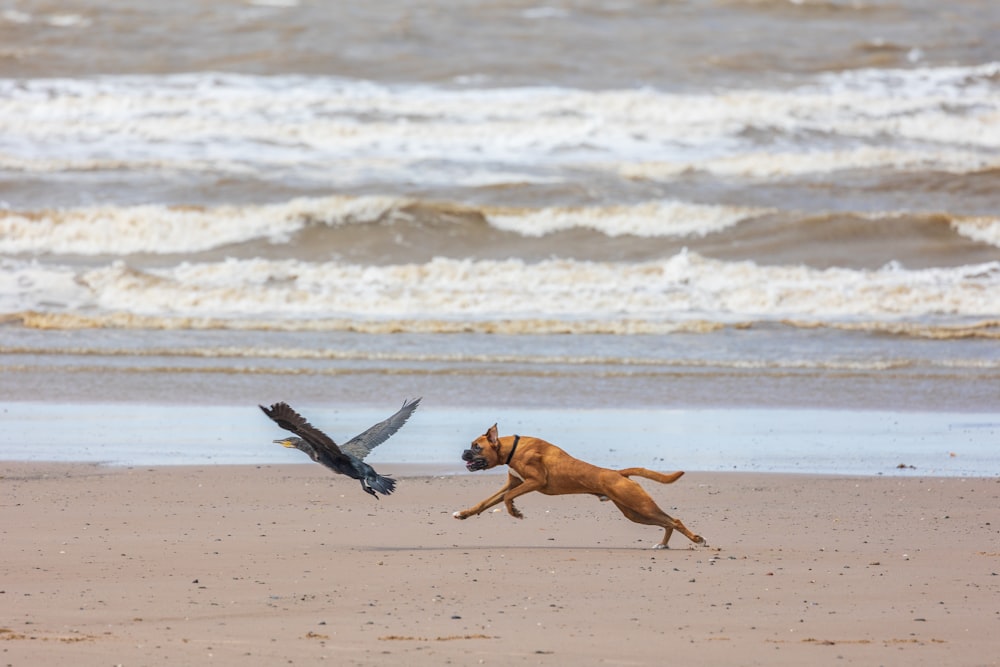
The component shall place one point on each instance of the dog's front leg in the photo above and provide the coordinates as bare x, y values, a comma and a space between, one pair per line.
495, 499
527, 486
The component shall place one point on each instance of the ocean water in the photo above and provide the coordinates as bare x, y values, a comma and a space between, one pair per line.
711, 205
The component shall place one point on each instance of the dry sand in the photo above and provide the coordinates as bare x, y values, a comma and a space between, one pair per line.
279, 565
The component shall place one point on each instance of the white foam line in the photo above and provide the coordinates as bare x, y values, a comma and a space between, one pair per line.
684, 286
271, 119
666, 218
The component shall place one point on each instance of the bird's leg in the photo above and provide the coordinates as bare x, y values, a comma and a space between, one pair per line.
369, 490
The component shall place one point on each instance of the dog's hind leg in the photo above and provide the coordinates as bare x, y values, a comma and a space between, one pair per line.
678, 525
638, 506
667, 522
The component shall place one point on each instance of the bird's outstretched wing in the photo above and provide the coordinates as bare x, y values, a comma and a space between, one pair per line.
284, 416
362, 445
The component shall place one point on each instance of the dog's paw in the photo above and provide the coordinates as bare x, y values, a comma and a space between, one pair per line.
514, 512
459, 515
661, 546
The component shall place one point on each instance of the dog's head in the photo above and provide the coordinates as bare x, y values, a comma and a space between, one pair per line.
484, 452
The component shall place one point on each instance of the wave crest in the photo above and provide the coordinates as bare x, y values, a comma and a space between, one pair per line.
686, 286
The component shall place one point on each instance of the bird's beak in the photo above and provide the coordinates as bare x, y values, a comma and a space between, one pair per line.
284, 443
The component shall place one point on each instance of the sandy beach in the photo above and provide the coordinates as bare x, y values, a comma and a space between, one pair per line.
757, 241
267, 565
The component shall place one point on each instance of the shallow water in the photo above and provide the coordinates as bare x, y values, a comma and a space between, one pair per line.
798, 441
762, 366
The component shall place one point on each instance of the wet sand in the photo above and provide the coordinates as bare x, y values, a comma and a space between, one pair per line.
267, 565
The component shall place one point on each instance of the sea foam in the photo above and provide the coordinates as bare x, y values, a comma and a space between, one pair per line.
298, 124
686, 286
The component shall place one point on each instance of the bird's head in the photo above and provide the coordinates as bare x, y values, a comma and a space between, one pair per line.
294, 442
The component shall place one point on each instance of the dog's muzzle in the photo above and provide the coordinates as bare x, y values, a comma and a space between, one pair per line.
474, 462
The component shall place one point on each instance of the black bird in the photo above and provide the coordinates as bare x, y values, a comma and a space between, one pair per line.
346, 460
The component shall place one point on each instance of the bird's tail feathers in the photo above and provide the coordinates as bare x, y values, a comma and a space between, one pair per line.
381, 483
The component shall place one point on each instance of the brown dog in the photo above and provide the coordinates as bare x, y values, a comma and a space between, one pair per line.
536, 465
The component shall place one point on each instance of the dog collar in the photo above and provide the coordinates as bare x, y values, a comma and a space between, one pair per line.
512, 450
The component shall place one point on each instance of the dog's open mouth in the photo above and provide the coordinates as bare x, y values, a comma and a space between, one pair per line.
473, 462
476, 464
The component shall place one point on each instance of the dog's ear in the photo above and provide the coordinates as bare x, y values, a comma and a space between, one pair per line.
491, 436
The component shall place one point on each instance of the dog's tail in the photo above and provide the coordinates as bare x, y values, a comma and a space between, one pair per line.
662, 478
